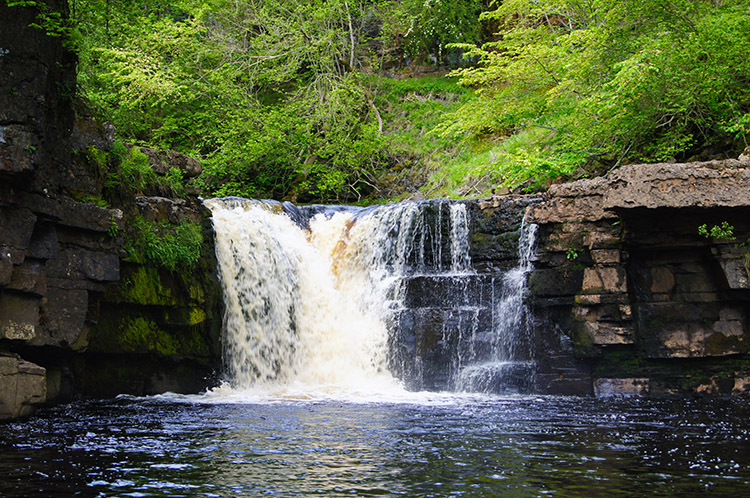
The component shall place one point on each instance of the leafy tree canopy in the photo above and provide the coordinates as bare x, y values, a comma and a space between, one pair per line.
318, 100
584, 85
272, 95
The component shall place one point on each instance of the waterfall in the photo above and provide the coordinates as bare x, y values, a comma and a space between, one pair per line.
460, 259
309, 291
510, 365
346, 300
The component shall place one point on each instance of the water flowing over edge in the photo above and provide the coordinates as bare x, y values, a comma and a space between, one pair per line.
309, 293
511, 361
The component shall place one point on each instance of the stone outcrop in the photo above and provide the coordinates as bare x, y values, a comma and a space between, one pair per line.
627, 287
23, 386
73, 298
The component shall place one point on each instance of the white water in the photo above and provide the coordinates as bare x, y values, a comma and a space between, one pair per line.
306, 310
460, 260
511, 359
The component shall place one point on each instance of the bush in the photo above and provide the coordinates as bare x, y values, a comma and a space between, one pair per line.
173, 247
618, 82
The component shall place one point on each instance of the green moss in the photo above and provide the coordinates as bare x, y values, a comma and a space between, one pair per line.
138, 331
142, 285
197, 315
139, 334
185, 316
621, 363
196, 291
90, 199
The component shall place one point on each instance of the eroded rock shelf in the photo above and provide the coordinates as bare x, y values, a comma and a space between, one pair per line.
627, 287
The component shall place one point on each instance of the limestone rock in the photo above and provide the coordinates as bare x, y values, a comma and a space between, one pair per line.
691, 340
70, 213
18, 149
159, 209
161, 161
608, 334
650, 186
710, 184
64, 316
19, 316
30, 278
74, 263
741, 384
16, 228
23, 386
733, 261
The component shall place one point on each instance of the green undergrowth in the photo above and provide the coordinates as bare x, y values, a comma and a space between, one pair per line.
411, 108
165, 245
130, 173
425, 159
521, 161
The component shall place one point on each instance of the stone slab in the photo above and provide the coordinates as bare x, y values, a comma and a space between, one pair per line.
23, 386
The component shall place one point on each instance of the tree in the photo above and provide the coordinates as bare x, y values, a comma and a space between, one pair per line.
605, 82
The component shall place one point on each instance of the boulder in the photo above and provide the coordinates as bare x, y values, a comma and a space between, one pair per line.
162, 161
23, 386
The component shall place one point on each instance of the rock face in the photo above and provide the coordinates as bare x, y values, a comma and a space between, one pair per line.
68, 284
627, 287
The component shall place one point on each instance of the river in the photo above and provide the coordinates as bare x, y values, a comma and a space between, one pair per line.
436, 445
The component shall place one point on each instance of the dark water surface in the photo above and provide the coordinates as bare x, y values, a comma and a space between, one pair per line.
516, 447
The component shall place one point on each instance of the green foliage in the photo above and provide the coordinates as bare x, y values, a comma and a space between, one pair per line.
277, 99
91, 199
135, 170
607, 83
114, 228
173, 247
410, 109
97, 157
722, 231
174, 182
571, 254
436, 24
131, 173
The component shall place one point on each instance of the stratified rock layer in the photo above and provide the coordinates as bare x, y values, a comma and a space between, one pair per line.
627, 285
69, 301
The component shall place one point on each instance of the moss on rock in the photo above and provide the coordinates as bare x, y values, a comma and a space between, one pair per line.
143, 285
139, 332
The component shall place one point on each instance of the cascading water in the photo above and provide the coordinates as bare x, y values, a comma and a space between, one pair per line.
510, 362
319, 299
